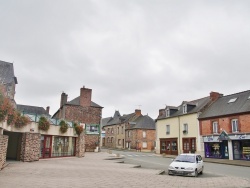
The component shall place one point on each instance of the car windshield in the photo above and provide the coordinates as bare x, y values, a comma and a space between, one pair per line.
185, 158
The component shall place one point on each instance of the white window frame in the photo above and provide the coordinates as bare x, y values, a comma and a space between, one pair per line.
144, 134
167, 129
184, 108
185, 127
167, 112
235, 124
215, 127
144, 144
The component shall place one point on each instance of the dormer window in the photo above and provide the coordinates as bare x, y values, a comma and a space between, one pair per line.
167, 112
232, 100
184, 109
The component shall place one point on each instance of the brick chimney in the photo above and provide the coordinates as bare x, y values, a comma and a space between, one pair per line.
162, 112
85, 96
47, 109
138, 112
64, 99
215, 95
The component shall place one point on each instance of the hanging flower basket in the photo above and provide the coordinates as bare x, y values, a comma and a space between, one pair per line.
78, 129
21, 121
63, 126
43, 124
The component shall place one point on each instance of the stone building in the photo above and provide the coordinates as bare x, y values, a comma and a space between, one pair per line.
28, 143
86, 112
130, 131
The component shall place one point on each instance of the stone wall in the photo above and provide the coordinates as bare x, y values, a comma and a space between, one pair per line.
80, 146
3, 150
30, 147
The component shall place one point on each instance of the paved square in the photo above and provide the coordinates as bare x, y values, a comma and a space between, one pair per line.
94, 171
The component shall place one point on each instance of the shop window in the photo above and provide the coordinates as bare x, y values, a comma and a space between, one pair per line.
174, 146
63, 146
167, 129
235, 127
144, 134
215, 127
144, 145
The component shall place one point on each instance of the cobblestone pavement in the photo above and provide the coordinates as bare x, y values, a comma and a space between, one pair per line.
94, 171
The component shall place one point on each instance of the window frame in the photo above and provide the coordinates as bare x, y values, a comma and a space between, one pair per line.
167, 129
215, 124
185, 128
144, 134
232, 125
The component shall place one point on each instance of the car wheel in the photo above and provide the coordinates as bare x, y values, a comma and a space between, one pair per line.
201, 172
196, 173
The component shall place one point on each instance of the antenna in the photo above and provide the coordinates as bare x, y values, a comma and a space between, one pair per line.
139, 106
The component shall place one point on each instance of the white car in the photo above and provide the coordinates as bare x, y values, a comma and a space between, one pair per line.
186, 164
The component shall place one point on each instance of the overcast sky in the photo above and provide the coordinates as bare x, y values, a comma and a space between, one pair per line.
150, 53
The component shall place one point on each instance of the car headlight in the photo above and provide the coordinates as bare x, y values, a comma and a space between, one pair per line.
170, 167
189, 168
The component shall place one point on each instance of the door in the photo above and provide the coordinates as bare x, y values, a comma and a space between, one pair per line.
46, 144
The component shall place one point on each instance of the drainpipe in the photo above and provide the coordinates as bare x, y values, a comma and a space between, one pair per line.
179, 138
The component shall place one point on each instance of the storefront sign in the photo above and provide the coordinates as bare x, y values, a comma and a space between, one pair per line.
92, 128
224, 136
210, 139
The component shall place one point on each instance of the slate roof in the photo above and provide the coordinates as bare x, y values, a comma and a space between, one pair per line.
7, 73
221, 107
198, 104
115, 119
31, 109
76, 101
105, 121
143, 122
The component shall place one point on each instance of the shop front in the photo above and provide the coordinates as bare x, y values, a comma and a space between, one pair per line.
241, 148
227, 146
169, 146
57, 146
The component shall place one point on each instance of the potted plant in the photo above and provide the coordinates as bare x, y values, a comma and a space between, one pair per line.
184, 131
21, 121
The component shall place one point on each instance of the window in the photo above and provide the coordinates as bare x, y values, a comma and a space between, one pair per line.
118, 130
235, 127
144, 134
215, 127
119, 142
108, 140
144, 145
185, 128
167, 129
167, 112
128, 133
108, 130
112, 131
232, 100
184, 109
122, 130
112, 139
